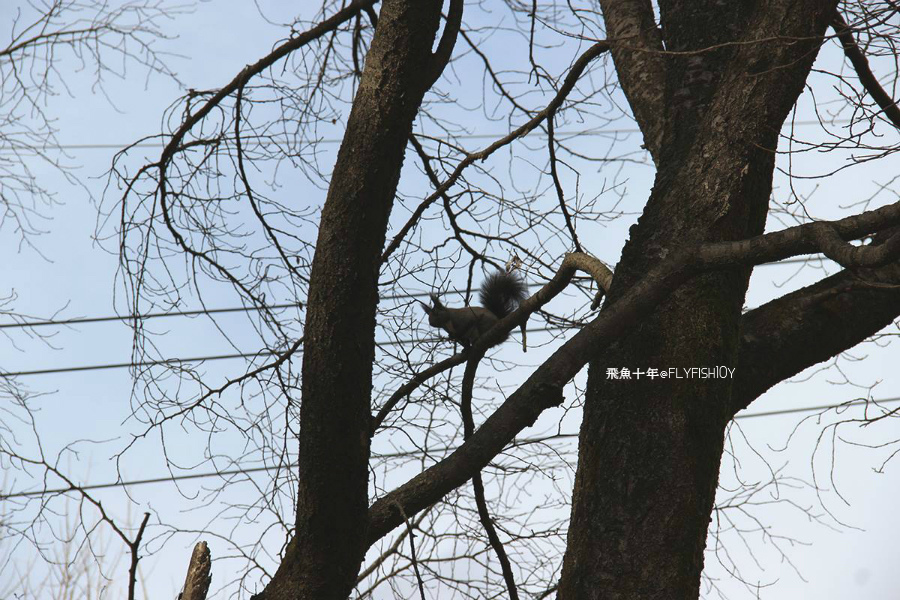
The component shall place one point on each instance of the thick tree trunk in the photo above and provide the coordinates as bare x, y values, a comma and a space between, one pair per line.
650, 449
332, 499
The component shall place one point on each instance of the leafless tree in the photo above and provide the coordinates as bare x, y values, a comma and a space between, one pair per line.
48, 38
97, 36
359, 430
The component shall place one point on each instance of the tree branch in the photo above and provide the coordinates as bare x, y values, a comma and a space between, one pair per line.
571, 79
639, 63
196, 583
237, 83
134, 547
543, 389
442, 53
572, 262
560, 195
250, 71
803, 328
861, 65
848, 255
484, 515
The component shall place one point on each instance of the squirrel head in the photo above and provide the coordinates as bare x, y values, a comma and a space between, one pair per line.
436, 312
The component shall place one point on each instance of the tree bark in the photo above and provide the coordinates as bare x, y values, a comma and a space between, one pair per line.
323, 558
642, 70
789, 334
649, 449
196, 583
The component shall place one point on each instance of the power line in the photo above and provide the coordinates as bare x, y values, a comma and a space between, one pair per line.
184, 313
138, 364
188, 313
464, 136
259, 354
235, 309
787, 411
518, 442
215, 357
270, 142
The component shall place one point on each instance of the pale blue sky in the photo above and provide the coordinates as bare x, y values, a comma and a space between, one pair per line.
76, 276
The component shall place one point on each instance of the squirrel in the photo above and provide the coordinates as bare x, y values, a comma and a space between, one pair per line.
500, 294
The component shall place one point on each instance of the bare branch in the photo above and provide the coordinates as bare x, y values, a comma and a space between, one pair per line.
477, 484
571, 79
544, 388
572, 262
861, 64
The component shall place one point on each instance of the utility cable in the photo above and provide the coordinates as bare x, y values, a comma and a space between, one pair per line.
517, 442
260, 353
464, 136
210, 311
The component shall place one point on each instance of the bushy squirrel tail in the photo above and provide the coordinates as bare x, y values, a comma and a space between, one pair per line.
502, 292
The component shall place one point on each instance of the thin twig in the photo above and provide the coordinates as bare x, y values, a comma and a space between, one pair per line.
412, 550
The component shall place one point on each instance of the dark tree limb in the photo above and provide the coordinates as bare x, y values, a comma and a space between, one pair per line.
468, 385
544, 388
442, 53
134, 547
329, 542
803, 328
863, 71
848, 255
637, 54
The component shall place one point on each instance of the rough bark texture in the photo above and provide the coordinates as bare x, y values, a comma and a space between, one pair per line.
332, 502
650, 449
710, 90
196, 583
637, 48
785, 336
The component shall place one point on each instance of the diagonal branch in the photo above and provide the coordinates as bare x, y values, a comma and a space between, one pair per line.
543, 389
571, 79
861, 65
412, 552
572, 262
803, 328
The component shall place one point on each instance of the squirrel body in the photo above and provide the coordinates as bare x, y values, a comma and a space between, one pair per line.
500, 294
